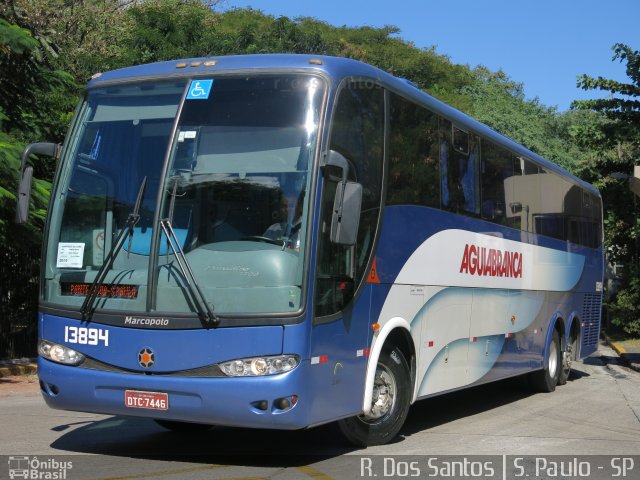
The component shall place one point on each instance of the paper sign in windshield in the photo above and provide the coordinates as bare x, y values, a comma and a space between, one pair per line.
190, 134
70, 255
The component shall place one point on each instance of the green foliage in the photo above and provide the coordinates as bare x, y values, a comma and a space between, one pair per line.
617, 133
623, 105
9, 166
619, 136
25, 81
79, 37
381, 47
168, 29
15, 40
500, 103
625, 309
19, 258
29, 234
28, 83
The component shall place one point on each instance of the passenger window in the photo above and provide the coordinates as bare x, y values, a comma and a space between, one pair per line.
572, 210
497, 167
413, 155
583, 219
459, 172
460, 140
592, 217
523, 194
549, 225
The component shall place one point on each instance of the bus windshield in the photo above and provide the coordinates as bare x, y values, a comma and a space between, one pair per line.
230, 176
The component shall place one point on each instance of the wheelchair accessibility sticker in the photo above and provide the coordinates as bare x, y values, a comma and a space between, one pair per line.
199, 89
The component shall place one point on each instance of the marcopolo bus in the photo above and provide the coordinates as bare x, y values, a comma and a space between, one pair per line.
283, 241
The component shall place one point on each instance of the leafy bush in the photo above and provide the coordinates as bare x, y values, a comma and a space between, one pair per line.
625, 307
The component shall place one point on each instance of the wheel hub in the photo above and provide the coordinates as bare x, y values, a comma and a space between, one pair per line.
553, 360
384, 394
567, 358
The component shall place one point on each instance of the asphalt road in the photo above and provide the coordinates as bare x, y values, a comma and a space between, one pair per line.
597, 412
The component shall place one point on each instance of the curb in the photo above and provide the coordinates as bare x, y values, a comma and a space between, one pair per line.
22, 369
619, 349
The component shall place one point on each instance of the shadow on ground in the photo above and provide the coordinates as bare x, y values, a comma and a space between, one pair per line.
143, 438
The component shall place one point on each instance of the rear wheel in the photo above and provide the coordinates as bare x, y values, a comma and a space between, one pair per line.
545, 380
568, 356
184, 427
389, 403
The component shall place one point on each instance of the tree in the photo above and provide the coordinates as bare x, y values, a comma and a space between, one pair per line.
80, 37
28, 82
621, 134
623, 105
500, 102
168, 30
25, 77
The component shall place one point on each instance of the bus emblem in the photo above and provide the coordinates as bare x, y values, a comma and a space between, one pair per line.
146, 357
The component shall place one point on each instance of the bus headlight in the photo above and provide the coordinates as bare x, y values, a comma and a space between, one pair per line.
259, 366
59, 353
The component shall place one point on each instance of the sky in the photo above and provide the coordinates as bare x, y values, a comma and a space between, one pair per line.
543, 44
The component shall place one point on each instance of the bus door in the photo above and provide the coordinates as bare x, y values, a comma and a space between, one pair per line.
341, 327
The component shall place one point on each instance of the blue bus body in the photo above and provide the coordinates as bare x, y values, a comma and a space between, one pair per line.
465, 299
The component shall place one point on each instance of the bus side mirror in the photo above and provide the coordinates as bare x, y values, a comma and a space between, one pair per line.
347, 202
26, 176
346, 213
24, 195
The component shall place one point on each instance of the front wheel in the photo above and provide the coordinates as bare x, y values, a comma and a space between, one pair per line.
389, 403
545, 380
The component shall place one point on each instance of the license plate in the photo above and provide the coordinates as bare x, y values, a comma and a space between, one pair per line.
148, 400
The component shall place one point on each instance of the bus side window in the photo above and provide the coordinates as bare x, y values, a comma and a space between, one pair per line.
413, 155
591, 218
497, 167
459, 162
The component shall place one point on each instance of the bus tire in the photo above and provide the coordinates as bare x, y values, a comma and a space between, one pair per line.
183, 427
567, 360
390, 403
545, 380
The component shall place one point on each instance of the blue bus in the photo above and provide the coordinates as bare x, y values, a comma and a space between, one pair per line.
284, 241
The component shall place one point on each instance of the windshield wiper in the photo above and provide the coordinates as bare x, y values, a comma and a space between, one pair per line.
205, 312
132, 219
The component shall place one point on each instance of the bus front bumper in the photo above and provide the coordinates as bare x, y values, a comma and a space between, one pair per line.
252, 402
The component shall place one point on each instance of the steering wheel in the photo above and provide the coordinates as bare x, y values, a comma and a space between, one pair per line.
259, 238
